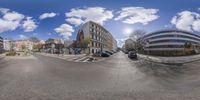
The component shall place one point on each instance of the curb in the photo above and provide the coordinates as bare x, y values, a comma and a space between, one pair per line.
168, 62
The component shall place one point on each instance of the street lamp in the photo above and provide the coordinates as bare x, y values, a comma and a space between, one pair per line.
89, 47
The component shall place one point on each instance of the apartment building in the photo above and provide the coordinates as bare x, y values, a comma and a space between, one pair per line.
20, 43
100, 38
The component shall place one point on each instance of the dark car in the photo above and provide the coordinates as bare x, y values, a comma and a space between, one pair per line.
104, 54
56, 51
109, 52
126, 52
132, 54
97, 54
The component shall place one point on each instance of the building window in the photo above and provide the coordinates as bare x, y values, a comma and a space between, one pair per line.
93, 36
93, 44
92, 50
97, 44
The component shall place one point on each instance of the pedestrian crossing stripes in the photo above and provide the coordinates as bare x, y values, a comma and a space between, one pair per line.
78, 59
83, 58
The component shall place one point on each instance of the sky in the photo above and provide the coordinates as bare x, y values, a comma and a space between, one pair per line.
20, 19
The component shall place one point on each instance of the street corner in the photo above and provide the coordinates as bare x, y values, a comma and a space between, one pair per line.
96, 59
82, 59
75, 58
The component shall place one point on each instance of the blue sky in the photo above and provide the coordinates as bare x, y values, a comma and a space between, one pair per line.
62, 18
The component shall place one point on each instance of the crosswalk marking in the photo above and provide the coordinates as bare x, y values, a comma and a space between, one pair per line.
81, 58
77, 59
86, 60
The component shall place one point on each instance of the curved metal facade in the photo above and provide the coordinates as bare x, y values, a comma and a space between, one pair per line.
171, 40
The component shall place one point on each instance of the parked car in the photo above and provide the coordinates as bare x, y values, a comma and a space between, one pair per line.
97, 54
109, 52
113, 51
126, 52
56, 51
104, 54
132, 55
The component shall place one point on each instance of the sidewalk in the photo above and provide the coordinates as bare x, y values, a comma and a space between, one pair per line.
65, 55
2, 55
21, 57
170, 60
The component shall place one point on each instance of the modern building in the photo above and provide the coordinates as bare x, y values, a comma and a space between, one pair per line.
171, 42
100, 39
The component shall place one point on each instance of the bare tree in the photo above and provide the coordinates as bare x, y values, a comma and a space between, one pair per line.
137, 37
137, 34
34, 39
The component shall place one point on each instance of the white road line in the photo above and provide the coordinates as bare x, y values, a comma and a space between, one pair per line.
82, 58
86, 60
72, 59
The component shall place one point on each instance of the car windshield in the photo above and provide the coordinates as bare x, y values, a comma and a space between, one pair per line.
99, 49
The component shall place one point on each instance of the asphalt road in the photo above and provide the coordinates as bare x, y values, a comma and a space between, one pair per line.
116, 78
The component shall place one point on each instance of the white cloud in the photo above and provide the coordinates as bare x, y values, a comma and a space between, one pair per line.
133, 15
8, 25
21, 36
187, 20
75, 21
97, 14
173, 21
13, 16
29, 25
196, 25
4, 10
10, 20
65, 30
47, 15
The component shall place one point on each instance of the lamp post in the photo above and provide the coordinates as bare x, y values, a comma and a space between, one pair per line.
88, 47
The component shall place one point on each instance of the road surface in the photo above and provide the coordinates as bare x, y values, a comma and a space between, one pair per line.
116, 78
